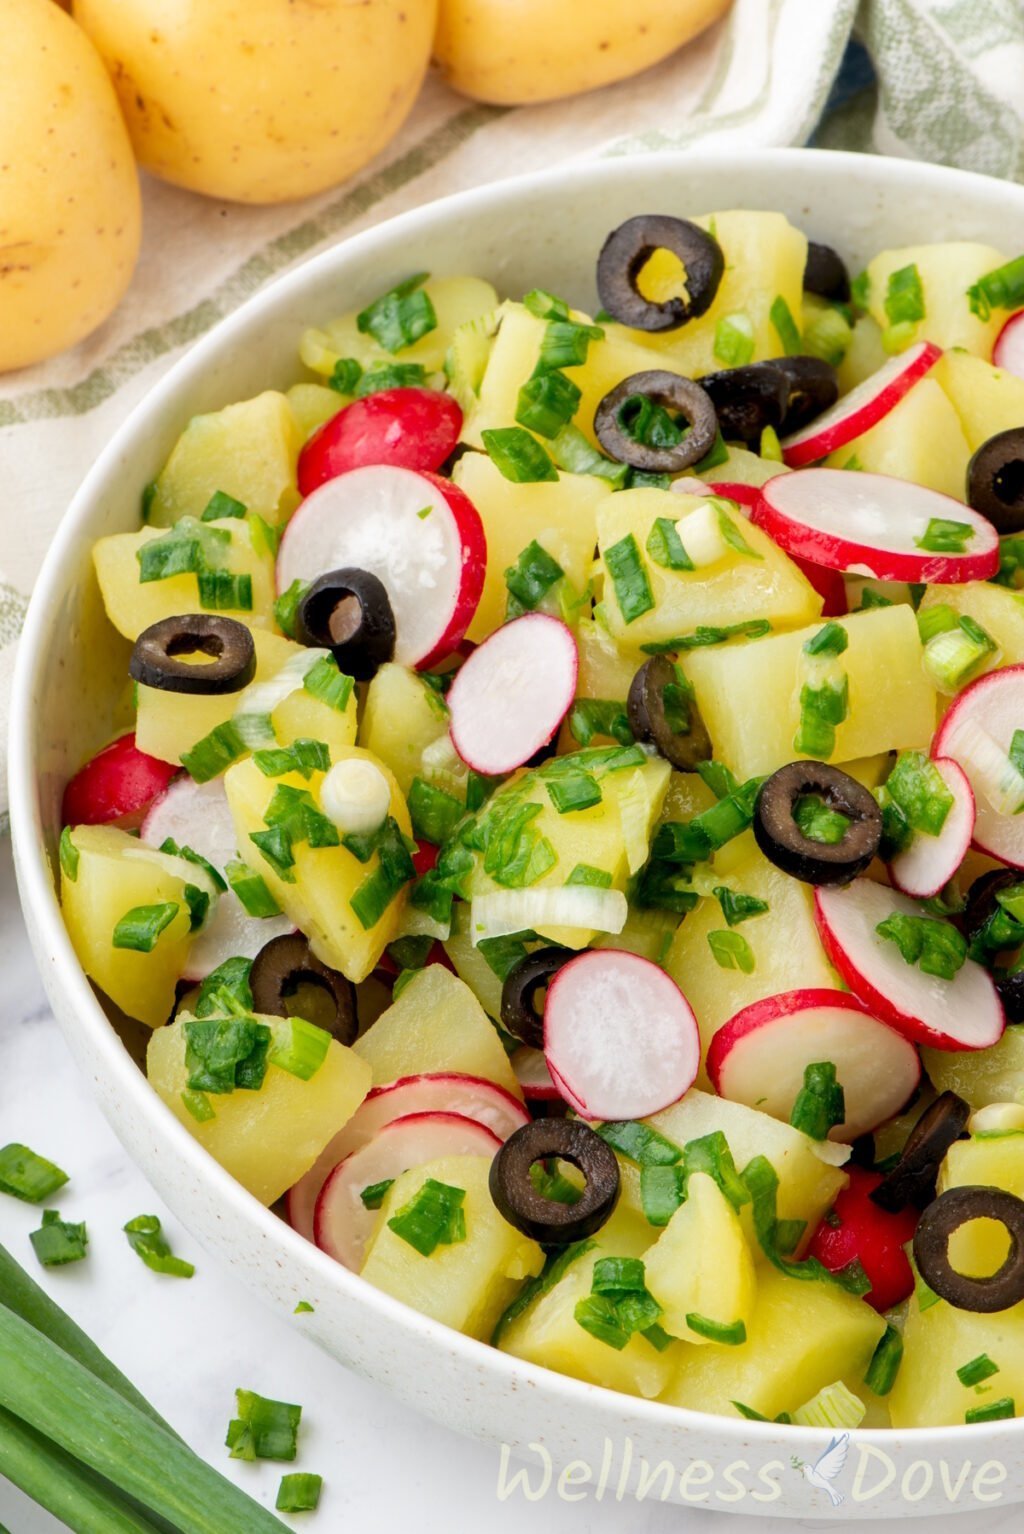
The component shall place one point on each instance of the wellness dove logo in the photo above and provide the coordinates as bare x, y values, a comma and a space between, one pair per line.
826, 1468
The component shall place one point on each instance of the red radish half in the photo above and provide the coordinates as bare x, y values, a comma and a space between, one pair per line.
759, 1057
117, 782
869, 524
196, 815
469, 1097
962, 1013
862, 408
620, 1038
533, 1075
342, 1223
407, 428
977, 732
1008, 352
510, 696
928, 864
420, 535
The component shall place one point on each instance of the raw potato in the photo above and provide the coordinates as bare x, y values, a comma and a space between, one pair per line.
70, 213
536, 50
261, 100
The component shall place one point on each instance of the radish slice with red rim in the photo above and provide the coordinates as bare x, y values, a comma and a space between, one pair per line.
745, 496
620, 1038
978, 733
407, 428
470, 1097
760, 1055
533, 1075
862, 408
927, 865
510, 696
1008, 352
962, 1013
419, 534
343, 1224
873, 525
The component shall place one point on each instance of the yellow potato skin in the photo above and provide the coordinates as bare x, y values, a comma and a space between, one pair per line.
70, 214
517, 51
261, 100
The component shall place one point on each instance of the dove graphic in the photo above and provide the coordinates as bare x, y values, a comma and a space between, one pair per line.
827, 1467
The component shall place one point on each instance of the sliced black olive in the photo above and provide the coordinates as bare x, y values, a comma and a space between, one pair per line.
825, 273
544, 1219
995, 480
747, 399
627, 251
938, 1223
913, 1178
1011, 994
286, 963
519, 993
661, 711
783, 843
348, 612
157, 656
673, 392
813, 388
982, 903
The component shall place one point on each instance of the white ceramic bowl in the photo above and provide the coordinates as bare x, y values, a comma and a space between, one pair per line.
539, 231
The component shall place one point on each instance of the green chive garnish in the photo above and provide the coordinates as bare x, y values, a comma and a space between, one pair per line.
433, 1217
299, 1493
979, 1369
27, 1176
58, 1242
140, 928
145, 1239
263, 1429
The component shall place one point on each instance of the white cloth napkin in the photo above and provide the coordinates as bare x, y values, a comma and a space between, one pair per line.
948, 88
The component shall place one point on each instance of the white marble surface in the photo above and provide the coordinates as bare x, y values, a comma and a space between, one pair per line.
188, 1344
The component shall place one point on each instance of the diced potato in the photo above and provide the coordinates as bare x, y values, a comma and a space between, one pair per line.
313, 406
749, 694
402, 716
920, 440
111, 880
301, 716
869, 770
804, 1334
325, 878
436, 1024
980, 1247
606, 671
987, 399
946, 270
761, 583
865, 356
940, 1340
133, 605
561, 517
456, 301
701, 1263
469, 1283
470, 964
742, 467
998, 610
248, 450
648, 934
270, 1138
981, 1076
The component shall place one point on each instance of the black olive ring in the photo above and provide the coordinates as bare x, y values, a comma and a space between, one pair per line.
995, 480
155, 657
349, 613
913, 1178
279, 969
645, 707
627, 251
674, 392
518, 993
813, 388
783, 843
544, 1219
956, 1207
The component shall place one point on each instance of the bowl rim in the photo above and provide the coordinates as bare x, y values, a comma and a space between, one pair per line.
37, 888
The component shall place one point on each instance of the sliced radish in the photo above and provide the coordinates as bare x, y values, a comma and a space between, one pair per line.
978, 732
1008, 352
116, 784
342, 1224
829, 584
862, 408
759, 1057
745, 496
928, 864
533, 1075
513, 692
196, 815
620, 1038
420, 535
469, 1097
407, 428
962, 1013
870, 524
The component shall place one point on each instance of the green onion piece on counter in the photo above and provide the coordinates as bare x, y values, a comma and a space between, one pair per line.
785, 326
58, 1241
1002, 288
303, 1308
70, 857
732, 951
399, 317
632, 588
375, 1193
885, 1363
530, 579
300, 1048
734, 340
139, 928
27, 1176
147, 1242
937, 947
263, 1429
731, 1333
251, 889
518, 456
547, 402
299, 1493
433, 1217
820, 1104
977, 1371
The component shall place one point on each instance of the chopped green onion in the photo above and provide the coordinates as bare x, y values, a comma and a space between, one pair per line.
662, 1190
731, 1333
214, 754
251, 889
820, 1104
566, 345
140, 928
737, 908
198, 902
198, 1105
936, 620
400, 317
302, 756
835, 1406
632, 588
709, 634
995, 1411
818, 821
394, 375
734, 340
645, 421
547, 402
731, 533
953, 656
944, 536
619, 1303
299, 1493
263, 1429
644, 479
326, 682
821, 709
770, 447
572, 452
58, 1242
904, 297
885, 1363
936, 946
599, 716
977, 1371
27, 1176
222, 1053
665, 546
530, 579
375, 1193
69, 855
732, 951
785, 326
188, 548
693, 841
149, 495
190, 855
716, 455
1011, 563
147, 1242
226, 989
576, 791
555, 1268
918, 790
222, 591
830, 640
777, 1239
828, 336
395, 869
640, 1143
551, 1184
434, 813
286, 606
1002, 288
303, 1308
518, 456
345, 375
545, 306
860, 291
433, 1217
585, 873
300, 1048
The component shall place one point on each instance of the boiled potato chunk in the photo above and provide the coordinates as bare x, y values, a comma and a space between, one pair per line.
946, 270
209, 92
940, 1340
561, 517
760, 582
996, 608
742, 467
270, 1138
701, 1263
987, 399
920, 440
249, 450
803, 1335
132, 604
456, 300
980, 1076
749, 694
865, 356
436, 1024
402, 716
112, 879
469, 1283
70, 218
318, 900
313, 405
980, 1246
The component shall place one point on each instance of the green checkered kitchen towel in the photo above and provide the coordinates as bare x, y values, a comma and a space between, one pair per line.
931, 79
